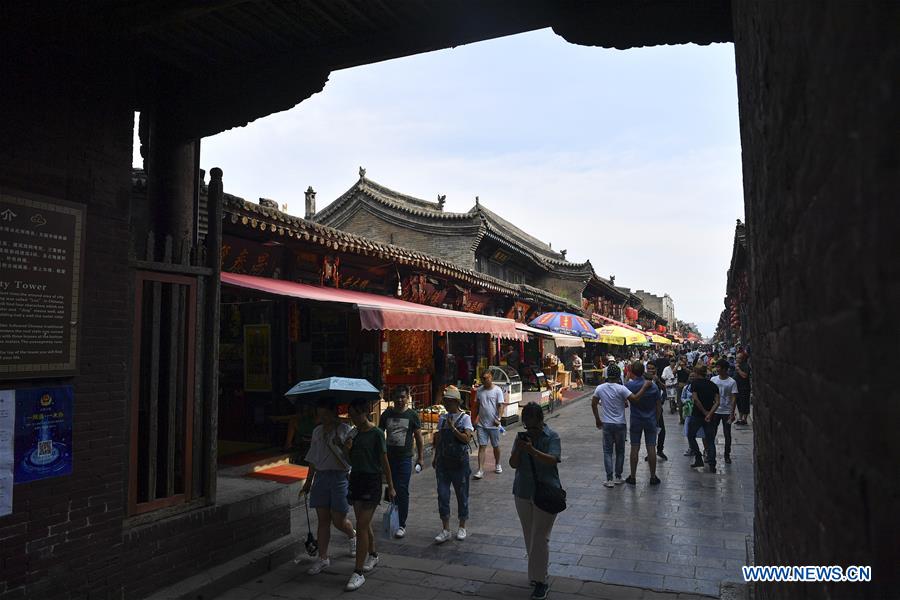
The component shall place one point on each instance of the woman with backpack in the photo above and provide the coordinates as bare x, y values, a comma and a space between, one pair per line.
535, 457
451, 463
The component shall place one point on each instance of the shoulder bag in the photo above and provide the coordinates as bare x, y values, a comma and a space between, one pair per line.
546, 497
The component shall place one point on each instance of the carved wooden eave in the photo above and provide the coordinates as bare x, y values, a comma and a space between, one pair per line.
273, 222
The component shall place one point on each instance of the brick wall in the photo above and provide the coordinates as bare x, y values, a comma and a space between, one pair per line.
64, 536
455, 248
818, 92
176, 548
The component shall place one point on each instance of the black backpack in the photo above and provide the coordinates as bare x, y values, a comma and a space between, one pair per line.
452, 453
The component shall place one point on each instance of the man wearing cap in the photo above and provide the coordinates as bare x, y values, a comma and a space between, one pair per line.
451, 463
612, 398
611, 361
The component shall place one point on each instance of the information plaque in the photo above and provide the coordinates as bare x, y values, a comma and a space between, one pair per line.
41, 242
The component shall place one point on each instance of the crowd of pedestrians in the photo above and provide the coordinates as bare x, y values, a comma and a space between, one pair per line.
350, 466
703, 403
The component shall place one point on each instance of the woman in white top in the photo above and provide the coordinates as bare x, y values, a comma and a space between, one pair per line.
670, 379
327, 482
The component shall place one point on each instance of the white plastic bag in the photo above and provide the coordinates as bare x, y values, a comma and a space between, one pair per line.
390, 521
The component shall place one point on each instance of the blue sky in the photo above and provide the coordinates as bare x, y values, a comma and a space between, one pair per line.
628, 158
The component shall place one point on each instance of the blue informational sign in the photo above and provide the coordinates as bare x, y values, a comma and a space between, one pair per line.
43, 445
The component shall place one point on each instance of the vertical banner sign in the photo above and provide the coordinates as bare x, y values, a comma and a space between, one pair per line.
257, 358
41, 244
43, 433
7, 460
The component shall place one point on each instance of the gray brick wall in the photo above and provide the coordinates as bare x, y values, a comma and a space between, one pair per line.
818, 93
65, 534
457, 249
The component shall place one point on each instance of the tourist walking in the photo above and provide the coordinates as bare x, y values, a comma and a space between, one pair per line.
727, 404
402, 426
644, 419
611, 397
742, 377
660, 422
705, 401
578, 371
451, 463
670, 380
682, 377
367, 454
535, 456
490, 404
326, 484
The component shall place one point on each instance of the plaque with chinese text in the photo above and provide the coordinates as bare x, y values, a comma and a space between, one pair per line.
41, 244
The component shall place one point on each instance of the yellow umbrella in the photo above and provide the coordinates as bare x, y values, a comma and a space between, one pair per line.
613, 334
659, 339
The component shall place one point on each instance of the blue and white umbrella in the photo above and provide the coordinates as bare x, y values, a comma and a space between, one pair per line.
340, 389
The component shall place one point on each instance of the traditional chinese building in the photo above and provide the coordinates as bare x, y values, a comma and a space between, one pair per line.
733, 322
478, 239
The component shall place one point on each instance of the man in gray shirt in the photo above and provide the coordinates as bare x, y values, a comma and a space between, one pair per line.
490, 403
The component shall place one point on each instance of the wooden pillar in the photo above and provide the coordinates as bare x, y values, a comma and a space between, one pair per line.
172, 164
211, 325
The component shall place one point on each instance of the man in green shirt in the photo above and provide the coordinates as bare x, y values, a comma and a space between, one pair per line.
402, 425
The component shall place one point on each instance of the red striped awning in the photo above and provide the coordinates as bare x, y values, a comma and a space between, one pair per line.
384, 312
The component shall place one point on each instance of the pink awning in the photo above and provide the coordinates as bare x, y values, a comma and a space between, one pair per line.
384, 312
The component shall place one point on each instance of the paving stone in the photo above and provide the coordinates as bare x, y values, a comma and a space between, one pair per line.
661, 568
633, 578
691, 585
640, 554
600, 562
467, 572
565, 585
607, 591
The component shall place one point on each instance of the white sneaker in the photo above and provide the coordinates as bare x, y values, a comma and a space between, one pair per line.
442, 537
400, 533
618, 481
353, 544
498, 470
370, 563
356, 582
461, 534
609, 483
478, 474
318, 566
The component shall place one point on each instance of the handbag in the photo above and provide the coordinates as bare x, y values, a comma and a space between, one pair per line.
546, 497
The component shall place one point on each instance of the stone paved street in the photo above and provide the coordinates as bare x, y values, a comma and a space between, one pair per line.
687, 535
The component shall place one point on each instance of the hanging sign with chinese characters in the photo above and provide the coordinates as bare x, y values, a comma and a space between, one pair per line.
41, 243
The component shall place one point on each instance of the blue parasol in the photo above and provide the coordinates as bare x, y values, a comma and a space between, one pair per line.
341, 389
562, 322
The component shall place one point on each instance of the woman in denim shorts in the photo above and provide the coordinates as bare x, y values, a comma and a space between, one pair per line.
327, 483
367, 453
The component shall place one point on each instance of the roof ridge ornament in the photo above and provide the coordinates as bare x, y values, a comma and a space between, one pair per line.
477, 201
442, 199
362, 173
